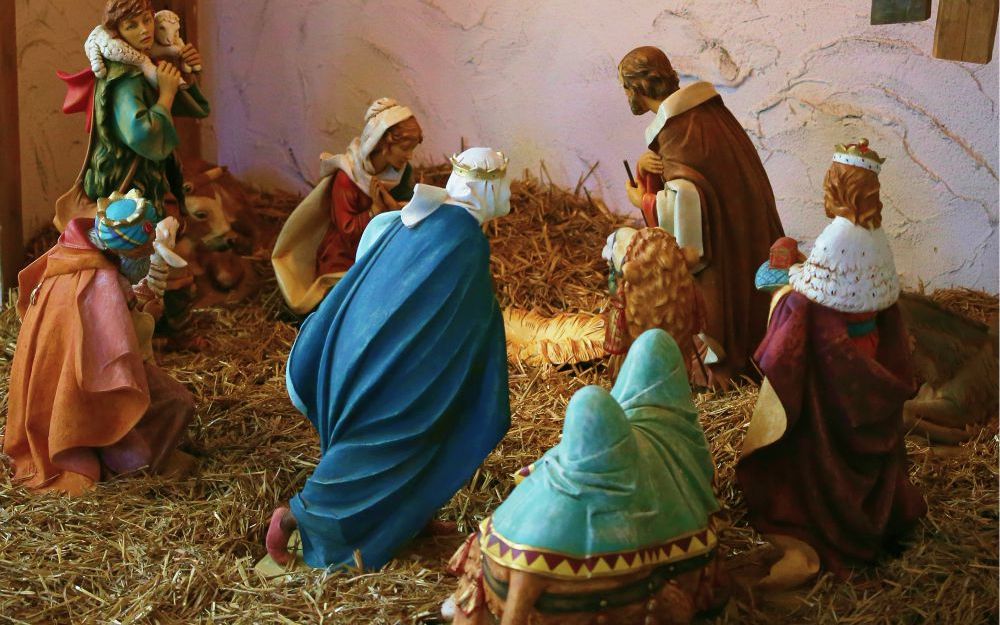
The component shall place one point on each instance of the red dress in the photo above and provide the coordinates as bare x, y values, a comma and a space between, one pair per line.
350, 212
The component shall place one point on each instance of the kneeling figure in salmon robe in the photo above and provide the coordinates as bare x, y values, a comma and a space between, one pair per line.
86, 397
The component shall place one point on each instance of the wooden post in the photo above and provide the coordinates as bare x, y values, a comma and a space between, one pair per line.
188, 130
11, 234
965, 30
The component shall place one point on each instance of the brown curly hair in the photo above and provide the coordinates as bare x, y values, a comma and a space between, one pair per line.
659, 290
647, 71
117, 10
853, 193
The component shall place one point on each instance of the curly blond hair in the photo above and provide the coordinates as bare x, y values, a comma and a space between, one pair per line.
659, 290
853, 193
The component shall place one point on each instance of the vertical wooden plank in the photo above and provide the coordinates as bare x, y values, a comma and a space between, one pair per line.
11, 234
965, 30
981, 31
189, 130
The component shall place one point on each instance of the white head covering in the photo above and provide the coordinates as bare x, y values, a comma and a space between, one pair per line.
382, 115
478, 183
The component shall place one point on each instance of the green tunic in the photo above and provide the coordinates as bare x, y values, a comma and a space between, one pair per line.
129, 122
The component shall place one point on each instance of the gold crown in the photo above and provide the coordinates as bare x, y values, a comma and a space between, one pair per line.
858, 155
479, 173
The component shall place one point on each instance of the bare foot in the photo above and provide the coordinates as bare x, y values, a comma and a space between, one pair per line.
278, 533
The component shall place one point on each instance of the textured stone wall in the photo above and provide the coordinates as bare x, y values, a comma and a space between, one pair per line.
290, 79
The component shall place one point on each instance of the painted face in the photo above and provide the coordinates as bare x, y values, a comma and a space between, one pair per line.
137, 30
399, 154
166, 32
634, 100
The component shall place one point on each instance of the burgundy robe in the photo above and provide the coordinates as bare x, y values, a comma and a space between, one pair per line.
837, 476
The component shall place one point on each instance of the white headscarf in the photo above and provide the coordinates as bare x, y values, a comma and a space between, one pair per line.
382, 115
484, 197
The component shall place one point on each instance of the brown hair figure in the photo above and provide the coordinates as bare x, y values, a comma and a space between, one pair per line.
319, 241
702, 181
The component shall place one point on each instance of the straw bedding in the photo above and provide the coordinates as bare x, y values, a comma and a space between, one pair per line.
144, 550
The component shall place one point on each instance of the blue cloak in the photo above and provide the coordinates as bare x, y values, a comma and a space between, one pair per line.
402, 370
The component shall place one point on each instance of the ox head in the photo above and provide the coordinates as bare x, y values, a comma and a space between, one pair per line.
212, 217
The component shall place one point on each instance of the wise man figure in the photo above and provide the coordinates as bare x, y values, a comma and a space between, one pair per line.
703, 182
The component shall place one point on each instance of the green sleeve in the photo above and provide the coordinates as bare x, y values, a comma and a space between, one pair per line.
403, 192
191, 102
147, 131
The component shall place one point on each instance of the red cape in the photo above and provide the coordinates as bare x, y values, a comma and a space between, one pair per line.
80, 89
77, 382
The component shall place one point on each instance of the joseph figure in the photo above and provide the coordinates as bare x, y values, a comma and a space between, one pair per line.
703, 182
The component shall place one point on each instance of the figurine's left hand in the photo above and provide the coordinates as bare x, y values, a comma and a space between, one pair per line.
190, 55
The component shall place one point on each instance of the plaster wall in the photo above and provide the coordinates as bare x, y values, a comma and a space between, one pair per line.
293, 78
290, 79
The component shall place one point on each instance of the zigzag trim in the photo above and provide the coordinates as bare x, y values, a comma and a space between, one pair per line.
551, 564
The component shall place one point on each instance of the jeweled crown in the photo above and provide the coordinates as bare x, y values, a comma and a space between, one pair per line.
479, 172
138, 206
858, 155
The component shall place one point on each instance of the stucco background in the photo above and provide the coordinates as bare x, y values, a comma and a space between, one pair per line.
290, 79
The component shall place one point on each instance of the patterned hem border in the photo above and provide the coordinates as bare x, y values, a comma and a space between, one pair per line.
523, 558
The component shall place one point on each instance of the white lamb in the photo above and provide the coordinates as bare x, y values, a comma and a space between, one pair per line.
102, 45
167, 42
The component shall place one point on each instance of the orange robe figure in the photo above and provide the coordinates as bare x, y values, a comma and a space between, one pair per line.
81, 400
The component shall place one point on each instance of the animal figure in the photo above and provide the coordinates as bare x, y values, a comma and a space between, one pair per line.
956, 359
652, 288
102, 45
167, 42
220, 234
612, 525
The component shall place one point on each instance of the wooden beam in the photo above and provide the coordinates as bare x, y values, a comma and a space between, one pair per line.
189, 130
965, 30
11, 233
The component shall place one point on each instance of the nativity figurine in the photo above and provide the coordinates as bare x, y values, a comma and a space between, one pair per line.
615, 524
130, 106
319, 241
712, 194
86, 399
403, 372
823, 467
650, 287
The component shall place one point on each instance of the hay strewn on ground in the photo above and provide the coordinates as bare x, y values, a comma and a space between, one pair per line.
143, 550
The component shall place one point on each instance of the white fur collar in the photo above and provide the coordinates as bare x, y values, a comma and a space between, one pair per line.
680, 101
850, 269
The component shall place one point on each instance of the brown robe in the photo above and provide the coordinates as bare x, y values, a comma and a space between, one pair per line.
81, 400
707, 146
